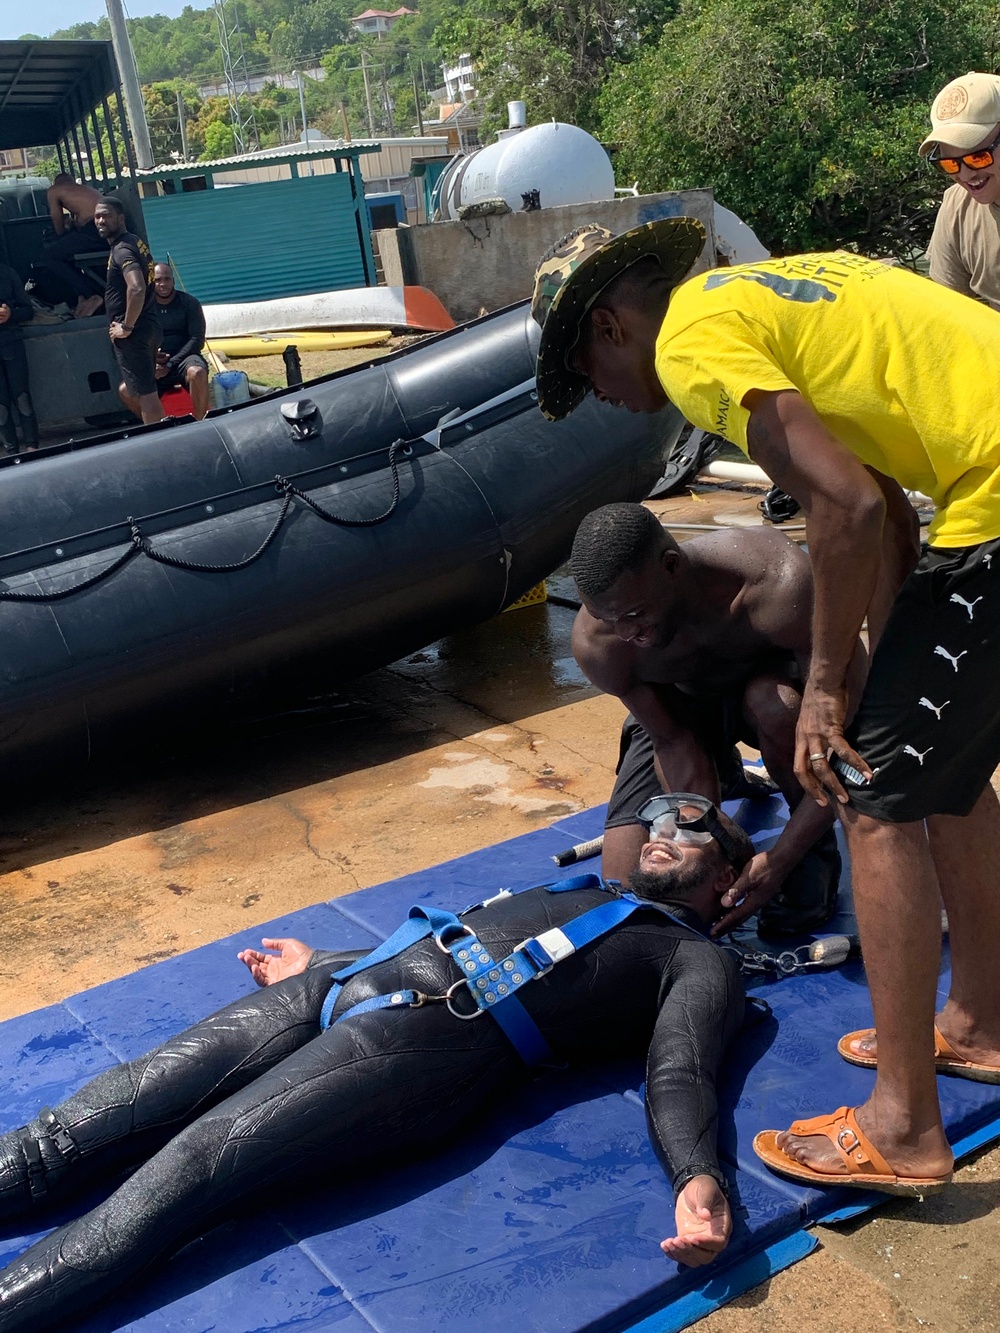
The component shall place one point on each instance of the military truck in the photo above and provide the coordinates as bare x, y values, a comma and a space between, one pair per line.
64, 96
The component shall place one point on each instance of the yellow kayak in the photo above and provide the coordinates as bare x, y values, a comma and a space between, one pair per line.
306, 340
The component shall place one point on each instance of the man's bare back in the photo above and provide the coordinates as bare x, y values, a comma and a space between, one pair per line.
69, 196
741, 604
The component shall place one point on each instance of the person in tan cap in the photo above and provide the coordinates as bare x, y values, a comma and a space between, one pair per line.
848, 380
964, 142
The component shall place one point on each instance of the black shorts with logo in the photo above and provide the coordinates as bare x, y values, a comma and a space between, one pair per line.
136, 357
929, 719
717, 723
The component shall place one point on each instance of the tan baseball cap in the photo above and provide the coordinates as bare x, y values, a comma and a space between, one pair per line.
964, 112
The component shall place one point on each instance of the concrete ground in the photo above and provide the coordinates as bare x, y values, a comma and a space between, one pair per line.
478, 738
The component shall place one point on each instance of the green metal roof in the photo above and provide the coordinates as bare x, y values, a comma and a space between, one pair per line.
48, 87
341, 148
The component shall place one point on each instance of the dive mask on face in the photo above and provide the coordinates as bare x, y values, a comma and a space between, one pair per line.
685, 818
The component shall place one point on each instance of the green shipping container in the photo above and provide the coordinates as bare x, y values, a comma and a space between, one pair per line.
257, 241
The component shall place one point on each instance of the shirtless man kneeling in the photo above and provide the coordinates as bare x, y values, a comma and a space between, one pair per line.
706, 645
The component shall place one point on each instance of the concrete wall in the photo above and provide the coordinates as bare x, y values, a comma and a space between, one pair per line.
486, 263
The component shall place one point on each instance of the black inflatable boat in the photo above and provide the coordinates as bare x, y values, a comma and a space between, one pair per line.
332, 528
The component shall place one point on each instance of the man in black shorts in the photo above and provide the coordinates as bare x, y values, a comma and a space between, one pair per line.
706, 644
848, 380
182, 336
128, 298
312, 1079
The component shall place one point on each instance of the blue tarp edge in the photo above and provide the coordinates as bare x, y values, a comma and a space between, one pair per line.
725, 1287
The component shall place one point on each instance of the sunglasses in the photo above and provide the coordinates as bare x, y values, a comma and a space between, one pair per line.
976, 161
691, 820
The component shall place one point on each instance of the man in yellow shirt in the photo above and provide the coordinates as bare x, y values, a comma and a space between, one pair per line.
847, 380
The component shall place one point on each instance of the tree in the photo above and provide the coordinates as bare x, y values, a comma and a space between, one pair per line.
553, 55
804, 117
311, 29
160, 101
219, 141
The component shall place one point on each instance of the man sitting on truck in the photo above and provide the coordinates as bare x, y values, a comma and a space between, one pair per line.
71, 208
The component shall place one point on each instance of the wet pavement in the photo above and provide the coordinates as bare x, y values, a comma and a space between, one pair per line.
482, 736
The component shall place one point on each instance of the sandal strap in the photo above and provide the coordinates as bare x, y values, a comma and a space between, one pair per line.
819, 1124
857, 1152
943, 1050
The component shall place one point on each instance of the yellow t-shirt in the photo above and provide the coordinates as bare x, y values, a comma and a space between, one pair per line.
904, 372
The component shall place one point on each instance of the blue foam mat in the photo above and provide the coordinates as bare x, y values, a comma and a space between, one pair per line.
547, 1216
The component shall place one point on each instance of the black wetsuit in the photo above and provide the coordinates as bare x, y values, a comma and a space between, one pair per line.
258, 1093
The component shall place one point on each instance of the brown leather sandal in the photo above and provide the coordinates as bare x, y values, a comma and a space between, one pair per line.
865, 1167
946, 1059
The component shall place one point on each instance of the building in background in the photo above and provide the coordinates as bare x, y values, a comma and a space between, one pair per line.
13, 159
256, 83
460, 80
459, 123
384, 169
379, 21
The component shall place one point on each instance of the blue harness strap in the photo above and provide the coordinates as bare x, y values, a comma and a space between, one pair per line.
420, 923
493, 984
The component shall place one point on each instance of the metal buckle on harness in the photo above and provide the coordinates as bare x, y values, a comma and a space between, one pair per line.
554, 943
452, 932
447, 997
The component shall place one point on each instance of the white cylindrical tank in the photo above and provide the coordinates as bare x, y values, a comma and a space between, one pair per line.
734, 240
565, 164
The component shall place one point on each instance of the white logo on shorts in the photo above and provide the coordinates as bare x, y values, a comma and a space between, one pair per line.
943, 652
969, 606
936, 709
908, 749
988, 559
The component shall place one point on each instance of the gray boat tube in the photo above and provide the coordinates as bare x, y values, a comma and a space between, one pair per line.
310, 536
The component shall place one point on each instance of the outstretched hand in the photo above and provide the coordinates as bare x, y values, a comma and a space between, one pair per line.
756, 885
703, 1223
267, 968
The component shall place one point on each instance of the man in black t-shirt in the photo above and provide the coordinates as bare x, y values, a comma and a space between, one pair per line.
182, 336
128, 298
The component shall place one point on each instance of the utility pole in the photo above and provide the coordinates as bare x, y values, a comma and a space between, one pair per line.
182, 122
387, 102
416, 101
368, 92
129, 75
302, 105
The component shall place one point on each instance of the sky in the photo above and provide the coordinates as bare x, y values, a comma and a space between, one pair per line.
46, 16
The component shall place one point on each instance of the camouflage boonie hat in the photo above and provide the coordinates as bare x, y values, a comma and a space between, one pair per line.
570, 278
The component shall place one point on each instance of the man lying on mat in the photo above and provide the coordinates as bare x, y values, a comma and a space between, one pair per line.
706, 644
309, 1075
